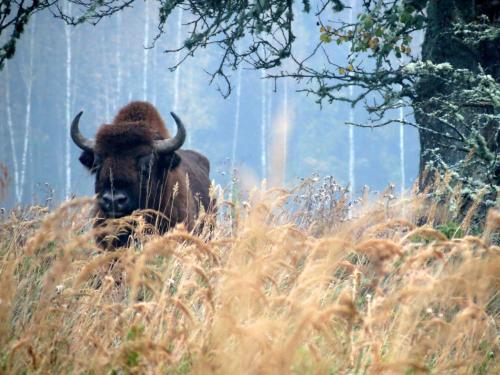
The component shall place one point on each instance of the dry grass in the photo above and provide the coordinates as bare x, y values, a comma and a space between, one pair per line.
289, 283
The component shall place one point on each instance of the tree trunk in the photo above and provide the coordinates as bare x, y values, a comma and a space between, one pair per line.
28, 76
263, 124
145, 50
67, 143
10, 128
445, 143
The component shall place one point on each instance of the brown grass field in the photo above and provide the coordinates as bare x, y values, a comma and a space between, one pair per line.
289, 282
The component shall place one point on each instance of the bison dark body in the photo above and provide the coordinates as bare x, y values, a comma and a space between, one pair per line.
138, 165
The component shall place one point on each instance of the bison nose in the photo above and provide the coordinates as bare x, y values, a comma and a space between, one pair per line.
114, 203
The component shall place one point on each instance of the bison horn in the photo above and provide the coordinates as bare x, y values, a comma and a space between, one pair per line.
77, 137
171, 144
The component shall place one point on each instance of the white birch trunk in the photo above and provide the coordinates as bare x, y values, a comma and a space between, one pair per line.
145, 60
28, 80
263, 124
153, 74
107, 101
236, 121
10, 129
67, 145
269, 120
177, 60
402, 150
119, 69
285, 129
352, 149
269, 113
352, 146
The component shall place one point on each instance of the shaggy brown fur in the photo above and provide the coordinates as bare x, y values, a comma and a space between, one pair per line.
146, 113
124, 138
118, 151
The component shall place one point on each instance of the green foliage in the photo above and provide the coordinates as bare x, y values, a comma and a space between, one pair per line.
4, 357
132, 358
304, 362
476, 32
135, 332
451, 230
226, 24
419, 239
488, 361
13, 21
383, 30
184, 366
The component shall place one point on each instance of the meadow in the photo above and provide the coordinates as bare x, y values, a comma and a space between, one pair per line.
293, 281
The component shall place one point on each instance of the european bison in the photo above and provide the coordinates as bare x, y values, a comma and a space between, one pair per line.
138, 165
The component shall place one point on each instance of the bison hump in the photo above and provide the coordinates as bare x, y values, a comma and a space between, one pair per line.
145, 113
195, 160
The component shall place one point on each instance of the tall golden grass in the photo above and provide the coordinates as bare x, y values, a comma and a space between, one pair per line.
289, 282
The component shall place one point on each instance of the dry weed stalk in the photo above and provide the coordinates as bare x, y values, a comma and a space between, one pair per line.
381, 292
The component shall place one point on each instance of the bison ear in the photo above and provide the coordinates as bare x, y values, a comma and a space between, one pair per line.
170, 160
87, 159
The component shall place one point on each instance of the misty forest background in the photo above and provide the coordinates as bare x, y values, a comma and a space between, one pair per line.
59, 70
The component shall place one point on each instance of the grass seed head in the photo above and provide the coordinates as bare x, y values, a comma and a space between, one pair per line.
289, 285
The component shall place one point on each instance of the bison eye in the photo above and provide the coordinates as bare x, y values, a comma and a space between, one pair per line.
145, 162
97, 163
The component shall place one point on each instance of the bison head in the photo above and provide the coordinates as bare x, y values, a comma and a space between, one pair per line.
130, 162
